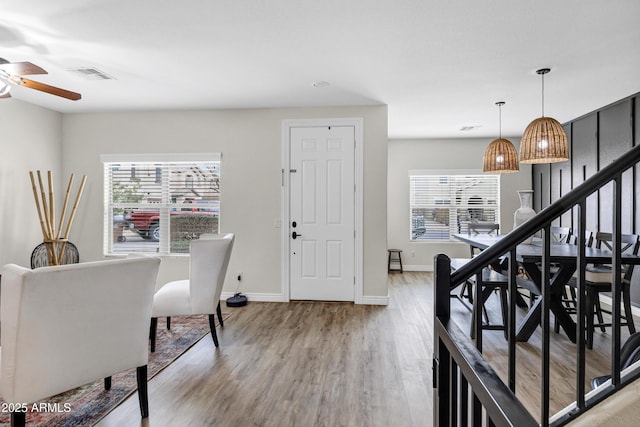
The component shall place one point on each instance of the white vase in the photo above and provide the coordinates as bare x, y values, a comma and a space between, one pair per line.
525, 211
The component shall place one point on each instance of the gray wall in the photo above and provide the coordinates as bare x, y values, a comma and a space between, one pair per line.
31, 140
250, 143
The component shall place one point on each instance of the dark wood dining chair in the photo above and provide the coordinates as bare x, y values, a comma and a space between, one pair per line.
561, 234
598, 280
474, 229
588, 238
569, 298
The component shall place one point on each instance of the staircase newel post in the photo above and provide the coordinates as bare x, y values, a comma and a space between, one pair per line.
441, 358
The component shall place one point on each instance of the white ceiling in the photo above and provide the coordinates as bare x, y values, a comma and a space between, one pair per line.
438, 65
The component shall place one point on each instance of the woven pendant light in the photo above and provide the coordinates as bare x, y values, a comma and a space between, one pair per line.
500, 156
544, 140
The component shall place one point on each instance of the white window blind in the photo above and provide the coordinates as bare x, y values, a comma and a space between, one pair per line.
158, 204
444, 204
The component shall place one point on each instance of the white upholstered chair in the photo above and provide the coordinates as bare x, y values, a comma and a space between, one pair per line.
200, 293
66, 326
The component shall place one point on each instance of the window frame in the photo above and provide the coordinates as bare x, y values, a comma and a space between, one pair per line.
164, 206
455, 199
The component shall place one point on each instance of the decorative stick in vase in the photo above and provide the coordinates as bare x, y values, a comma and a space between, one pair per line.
35, 196
45, 209
72, 215
52, 204
64, 206
47, 221
62, 216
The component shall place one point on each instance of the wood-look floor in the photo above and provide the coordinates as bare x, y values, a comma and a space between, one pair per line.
331, 364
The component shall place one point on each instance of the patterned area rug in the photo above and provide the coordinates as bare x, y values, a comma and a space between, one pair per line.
86, 405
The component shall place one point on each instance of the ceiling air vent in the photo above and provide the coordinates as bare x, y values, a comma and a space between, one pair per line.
91, 73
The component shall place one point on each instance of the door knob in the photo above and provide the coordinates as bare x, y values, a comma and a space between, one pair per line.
295, 235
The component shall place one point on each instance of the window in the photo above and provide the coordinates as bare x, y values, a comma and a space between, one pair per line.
443, 204
158, 203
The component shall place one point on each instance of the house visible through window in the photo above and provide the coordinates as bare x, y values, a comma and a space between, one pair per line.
442, 204
159, 203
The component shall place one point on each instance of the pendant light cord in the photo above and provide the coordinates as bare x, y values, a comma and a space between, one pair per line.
543, 94
500, 120
500, 104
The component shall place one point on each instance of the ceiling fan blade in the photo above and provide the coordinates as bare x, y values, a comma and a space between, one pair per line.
22, 68
50, 89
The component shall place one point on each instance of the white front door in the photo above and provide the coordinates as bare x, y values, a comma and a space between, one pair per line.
322, 201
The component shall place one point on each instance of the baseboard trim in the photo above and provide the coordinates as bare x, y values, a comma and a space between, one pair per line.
264, 297
375, 300
259, 297
417, 267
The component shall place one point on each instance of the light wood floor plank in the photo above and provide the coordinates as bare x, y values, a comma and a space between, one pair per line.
333, 364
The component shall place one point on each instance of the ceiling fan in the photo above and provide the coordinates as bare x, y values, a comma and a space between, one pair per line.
11, 72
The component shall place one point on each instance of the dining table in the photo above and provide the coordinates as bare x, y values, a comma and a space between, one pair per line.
564, 257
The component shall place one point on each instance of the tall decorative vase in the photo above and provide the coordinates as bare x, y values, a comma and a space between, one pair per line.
525, 211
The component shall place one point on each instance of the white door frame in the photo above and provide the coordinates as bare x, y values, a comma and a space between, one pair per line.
358, 125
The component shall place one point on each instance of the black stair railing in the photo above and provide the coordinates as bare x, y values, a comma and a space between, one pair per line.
459, 369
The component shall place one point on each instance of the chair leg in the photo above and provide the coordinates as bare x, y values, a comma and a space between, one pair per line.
504, 305
598, 307
212, 325
628, 314
168, 323
107, 383
468, 288
482, 297
569, 302
18, 419
219, 312
152, 333
574, 297
589, 320
143, 393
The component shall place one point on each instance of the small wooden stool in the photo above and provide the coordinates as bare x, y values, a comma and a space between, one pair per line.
398, 259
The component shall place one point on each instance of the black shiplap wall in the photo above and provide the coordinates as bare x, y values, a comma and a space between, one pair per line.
584, 161
596, 140
615, 139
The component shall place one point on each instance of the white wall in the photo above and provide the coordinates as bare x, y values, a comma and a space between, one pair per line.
442, 154
250, 143
30, 140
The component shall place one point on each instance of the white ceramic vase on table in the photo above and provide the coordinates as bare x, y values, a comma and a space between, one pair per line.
525, 212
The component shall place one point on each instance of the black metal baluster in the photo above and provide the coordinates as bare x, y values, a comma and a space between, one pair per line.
455, 400
464, 400
477, 310
513, 294
546, 307
616, 282
581, 305
477, 410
